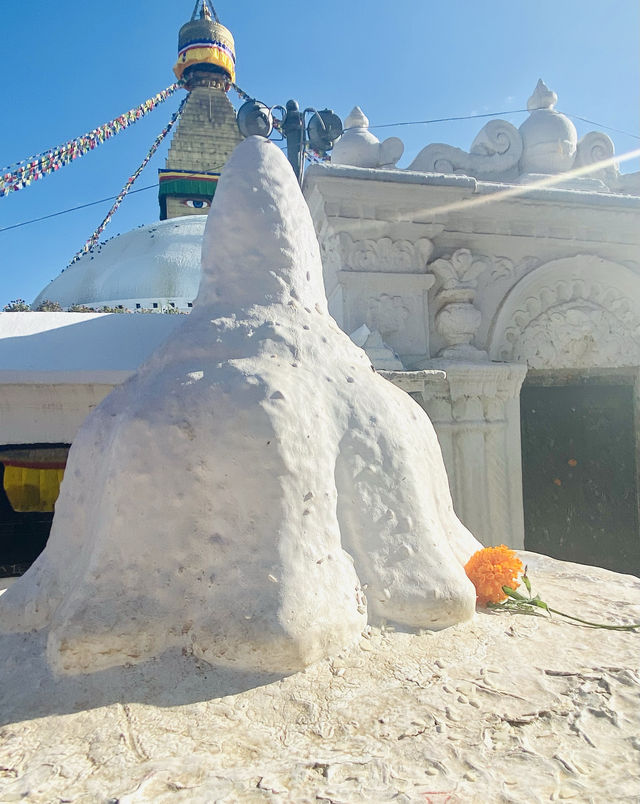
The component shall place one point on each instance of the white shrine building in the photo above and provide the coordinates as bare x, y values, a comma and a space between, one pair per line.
514, 269
500, 287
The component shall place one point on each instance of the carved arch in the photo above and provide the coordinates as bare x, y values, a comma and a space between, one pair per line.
574, 312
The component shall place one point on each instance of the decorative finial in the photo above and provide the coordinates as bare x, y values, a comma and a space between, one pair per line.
207, 10
549, 138
542, 98
206, 51
360, 148
357, 119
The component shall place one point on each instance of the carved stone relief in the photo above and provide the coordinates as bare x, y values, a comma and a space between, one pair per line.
494, 153
386, 314
595, 150
457, 320
393, 304
574, 324
505, 267
385, 254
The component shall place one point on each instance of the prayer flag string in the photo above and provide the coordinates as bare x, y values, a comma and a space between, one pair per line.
20, 174
88, 246
241, 93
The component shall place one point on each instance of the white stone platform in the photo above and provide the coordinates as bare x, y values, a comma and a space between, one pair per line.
507, 708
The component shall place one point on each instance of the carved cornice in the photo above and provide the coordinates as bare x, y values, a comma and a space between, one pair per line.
385, 254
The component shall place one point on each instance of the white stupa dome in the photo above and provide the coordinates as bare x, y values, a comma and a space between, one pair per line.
154, 266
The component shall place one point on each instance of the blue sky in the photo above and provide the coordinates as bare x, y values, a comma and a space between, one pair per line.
71, 67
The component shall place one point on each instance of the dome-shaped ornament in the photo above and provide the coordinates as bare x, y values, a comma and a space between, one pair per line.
360, 148
549, 138
205, 45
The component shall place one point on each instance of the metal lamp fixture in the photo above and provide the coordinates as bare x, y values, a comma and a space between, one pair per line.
255, 118
319, 134
323, 130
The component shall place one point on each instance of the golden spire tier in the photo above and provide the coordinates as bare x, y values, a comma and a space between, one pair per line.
205, 49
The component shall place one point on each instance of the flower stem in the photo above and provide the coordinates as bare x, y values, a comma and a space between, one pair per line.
632, 627
535, 602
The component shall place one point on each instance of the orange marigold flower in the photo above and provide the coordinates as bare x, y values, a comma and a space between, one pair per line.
490, 569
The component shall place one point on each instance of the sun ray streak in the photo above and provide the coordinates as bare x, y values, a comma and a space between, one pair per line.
513, 191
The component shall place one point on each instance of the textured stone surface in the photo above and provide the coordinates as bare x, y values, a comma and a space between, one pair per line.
505, 708
238, 496
206, 134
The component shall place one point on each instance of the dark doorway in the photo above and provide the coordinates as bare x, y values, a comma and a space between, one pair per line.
26, 510
579, 473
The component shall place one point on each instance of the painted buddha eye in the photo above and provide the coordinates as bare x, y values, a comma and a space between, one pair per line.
196, 203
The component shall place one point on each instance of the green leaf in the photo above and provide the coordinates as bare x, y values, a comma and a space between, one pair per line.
512, 593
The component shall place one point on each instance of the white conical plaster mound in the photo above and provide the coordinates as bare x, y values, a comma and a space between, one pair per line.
233, 496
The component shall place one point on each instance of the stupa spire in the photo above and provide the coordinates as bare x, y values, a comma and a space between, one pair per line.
207, 132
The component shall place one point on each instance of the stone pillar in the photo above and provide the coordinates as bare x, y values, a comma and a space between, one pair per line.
475, 409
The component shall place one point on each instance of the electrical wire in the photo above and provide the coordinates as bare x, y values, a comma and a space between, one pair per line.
445, 119
495, 114
89, 204
129, 183
382, 125
74, 209
601, 125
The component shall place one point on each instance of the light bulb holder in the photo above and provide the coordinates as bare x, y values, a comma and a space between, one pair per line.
323, 129
255, 118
